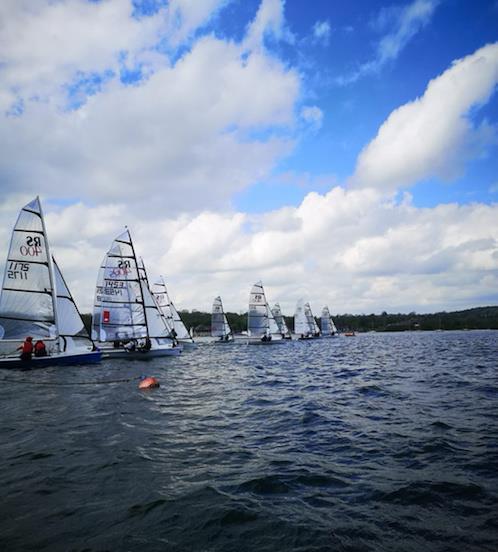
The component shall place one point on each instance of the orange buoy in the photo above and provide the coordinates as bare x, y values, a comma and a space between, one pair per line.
148, 383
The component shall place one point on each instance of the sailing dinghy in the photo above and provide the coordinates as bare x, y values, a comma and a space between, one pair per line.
261, 325
280, 320
127, 322
327, 324
305, 326
220, 328
36, 301
168, 310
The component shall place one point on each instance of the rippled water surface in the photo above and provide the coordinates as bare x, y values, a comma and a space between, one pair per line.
385, 442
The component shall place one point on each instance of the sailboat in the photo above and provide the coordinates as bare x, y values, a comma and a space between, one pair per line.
220, 327
327, 324
36, 301
126, 320
261, 325
311, 321
280, 320
168, 310
305, 326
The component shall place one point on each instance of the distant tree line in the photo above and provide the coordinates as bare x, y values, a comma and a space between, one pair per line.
471, 319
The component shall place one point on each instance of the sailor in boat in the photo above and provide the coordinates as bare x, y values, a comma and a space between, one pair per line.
144, 345
26, 349
130, 346
267, 336
40, 349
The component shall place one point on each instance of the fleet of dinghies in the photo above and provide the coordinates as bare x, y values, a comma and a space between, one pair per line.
131, 319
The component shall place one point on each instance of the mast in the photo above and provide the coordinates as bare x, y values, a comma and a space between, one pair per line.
139, 282
50, 274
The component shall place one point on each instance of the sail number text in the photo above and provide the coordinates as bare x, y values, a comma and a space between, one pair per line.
32, 247
17, 271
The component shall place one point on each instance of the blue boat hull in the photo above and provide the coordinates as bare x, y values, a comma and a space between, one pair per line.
91, 357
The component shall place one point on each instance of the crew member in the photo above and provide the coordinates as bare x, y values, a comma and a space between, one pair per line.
40, 349
26, 349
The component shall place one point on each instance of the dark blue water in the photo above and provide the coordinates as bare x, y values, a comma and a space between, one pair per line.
382, 442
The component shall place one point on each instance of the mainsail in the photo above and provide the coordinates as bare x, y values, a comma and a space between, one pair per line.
169, 311
219, 323
119, 308
280, 320
313, 326
326, 322
301, 325
257, 318
27, 302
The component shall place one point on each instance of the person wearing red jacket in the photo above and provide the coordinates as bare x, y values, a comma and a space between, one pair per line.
26, 349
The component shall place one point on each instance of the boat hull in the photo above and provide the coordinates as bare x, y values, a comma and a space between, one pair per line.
187, 343
258, 341
111, 353
58, 359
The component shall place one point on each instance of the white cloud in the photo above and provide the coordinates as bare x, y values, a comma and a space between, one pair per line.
406, 23
183, 139
269, 22
433, 135
353, 249
312, 115
321, 31
45, 45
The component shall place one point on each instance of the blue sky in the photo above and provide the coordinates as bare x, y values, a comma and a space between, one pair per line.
354, 111
345, 152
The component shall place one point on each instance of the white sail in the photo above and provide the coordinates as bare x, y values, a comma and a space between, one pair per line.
334, 328
27, 302
157, 323
119, 311
301, 326
257, 318
219, 323
169, 311
325, 322
312, 325
280, 320
71, 329
272, 323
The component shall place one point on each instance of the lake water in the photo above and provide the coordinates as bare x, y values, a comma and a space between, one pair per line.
379, 442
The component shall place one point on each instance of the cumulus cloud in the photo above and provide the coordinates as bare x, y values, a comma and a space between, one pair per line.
190, 135
434, 135
356, 250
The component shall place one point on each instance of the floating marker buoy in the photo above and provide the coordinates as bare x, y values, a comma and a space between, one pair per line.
148, 383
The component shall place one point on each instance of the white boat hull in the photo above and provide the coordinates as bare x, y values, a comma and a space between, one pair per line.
109, 352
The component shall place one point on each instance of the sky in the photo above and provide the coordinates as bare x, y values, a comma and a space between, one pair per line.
341, 152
